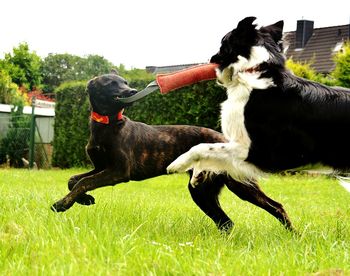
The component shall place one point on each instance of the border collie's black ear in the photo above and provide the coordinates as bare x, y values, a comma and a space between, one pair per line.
246, 22
275, 30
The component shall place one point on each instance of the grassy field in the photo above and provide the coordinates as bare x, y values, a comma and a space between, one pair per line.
153, 228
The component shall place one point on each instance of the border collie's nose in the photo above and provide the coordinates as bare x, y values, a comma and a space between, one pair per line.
215, 58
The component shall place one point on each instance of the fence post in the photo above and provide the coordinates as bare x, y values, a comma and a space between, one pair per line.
32, 136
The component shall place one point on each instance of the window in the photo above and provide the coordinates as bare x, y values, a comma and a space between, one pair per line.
338, 46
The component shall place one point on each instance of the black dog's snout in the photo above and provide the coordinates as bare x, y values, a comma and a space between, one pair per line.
133, 91
127, 92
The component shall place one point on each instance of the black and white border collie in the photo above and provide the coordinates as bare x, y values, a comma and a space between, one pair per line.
274, 121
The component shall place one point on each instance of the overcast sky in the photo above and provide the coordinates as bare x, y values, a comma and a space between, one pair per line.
138, 33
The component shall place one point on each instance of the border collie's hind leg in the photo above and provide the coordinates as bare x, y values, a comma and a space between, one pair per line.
252, 193
205, 194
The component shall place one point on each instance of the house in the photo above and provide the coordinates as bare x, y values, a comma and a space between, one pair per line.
307, 44
315, 45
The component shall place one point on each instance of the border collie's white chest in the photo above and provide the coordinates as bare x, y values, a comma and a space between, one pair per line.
239, 79
232, 115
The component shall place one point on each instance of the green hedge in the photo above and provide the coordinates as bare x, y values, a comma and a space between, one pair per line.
195, 105
71, 125
198, 104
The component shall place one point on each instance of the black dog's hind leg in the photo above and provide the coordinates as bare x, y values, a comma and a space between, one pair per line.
205, 194
108, 177
252, 193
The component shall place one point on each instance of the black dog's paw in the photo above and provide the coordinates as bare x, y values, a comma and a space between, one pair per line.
61, 205
58, 207
86, 199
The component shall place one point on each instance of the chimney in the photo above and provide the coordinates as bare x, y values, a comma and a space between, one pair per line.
304, 31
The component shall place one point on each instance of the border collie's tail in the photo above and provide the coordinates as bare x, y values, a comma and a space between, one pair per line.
344, 181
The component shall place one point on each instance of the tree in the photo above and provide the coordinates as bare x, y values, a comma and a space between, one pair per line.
23, 66
60, 68
9, 92
94, 65
342, 68
134, 74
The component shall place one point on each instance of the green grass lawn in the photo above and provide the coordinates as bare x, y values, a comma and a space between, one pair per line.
153, 228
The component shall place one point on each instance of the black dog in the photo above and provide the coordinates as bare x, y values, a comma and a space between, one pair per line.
274, 121
123, 150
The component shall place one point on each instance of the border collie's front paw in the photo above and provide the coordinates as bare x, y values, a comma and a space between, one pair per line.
181, 164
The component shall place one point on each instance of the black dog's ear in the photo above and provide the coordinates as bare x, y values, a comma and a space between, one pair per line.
246, 23
114, 71
275, 30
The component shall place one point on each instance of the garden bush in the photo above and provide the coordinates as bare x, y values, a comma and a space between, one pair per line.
71, 125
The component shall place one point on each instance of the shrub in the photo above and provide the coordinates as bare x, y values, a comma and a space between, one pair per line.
71, 125
15, 145
198, 104
9, 92
342, 69
303, 70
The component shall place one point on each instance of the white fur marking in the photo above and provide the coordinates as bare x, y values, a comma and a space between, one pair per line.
230, 157
203, 175
235, 72
224, 157
345, 182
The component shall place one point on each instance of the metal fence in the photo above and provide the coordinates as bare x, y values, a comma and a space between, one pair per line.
26, 140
